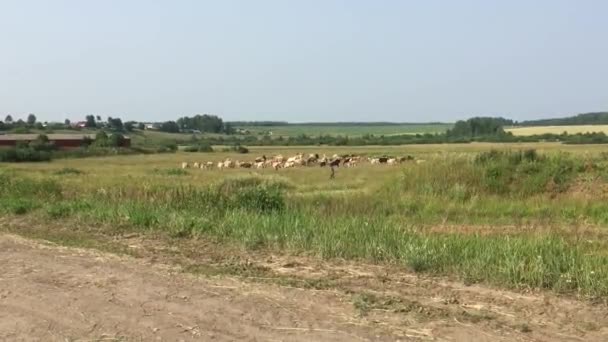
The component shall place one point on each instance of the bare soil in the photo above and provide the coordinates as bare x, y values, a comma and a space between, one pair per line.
53, 293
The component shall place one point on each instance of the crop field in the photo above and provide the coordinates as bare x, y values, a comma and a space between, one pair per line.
349, 130
516, 217
574, 129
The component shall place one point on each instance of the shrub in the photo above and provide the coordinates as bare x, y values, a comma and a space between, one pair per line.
253, 193
17, 206
68, 171
42, 143
202, 147
171, 172
28, 154
239, 149
169, 147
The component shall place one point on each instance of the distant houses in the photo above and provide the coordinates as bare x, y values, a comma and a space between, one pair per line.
80, 124
154, 126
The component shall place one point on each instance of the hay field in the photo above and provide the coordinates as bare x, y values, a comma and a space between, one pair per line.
525, 131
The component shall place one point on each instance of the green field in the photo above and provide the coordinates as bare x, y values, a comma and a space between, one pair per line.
350, 130
510, 219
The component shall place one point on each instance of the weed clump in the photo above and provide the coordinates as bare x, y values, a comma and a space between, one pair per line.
200, 147
68, 171
171, 172
253, 193
514, 174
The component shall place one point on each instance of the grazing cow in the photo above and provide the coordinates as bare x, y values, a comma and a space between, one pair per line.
260, 159
220, 165
229, 164
374, 161
209, 165
277, 165
351, 163
260, 165
335, 162
279, 158
196, 165
245, 165
323, 161
312, 158
184, 165
392, 161
383, 160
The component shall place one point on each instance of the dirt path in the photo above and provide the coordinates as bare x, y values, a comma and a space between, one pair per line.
51, 293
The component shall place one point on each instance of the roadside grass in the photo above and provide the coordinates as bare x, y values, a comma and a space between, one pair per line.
387, 221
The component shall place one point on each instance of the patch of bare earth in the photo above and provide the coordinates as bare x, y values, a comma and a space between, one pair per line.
52, 293
59, 294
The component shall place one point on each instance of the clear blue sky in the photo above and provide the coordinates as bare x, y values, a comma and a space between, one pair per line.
300, 61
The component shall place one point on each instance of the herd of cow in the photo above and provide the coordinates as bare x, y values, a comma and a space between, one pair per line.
280, 162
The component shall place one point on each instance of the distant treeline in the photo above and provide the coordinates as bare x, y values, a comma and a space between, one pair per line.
478, 129
329, 124
258, 123
597, 118
406, 139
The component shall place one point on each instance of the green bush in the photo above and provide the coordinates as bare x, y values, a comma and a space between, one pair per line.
202, 147
68, 171
239, 149
16, 206
19, 154
253, 193
171, 172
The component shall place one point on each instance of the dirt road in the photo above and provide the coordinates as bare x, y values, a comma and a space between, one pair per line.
51, 293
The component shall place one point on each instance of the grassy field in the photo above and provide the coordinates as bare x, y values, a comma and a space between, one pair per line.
350, 130
156, 138
525, 131
508, 218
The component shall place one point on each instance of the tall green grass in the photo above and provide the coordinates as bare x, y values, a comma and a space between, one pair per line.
384, 225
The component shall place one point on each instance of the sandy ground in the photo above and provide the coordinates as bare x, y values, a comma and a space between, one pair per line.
51, 293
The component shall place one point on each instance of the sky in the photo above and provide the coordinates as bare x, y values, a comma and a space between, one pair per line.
302, 61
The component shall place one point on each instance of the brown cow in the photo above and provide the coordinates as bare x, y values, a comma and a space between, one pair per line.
335, 162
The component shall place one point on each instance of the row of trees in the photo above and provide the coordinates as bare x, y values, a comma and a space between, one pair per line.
30, 122
91, 121
597, 118
479, 126
406, 139
203, 123
114, 124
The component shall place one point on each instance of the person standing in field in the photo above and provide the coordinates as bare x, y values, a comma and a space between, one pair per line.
333, 172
